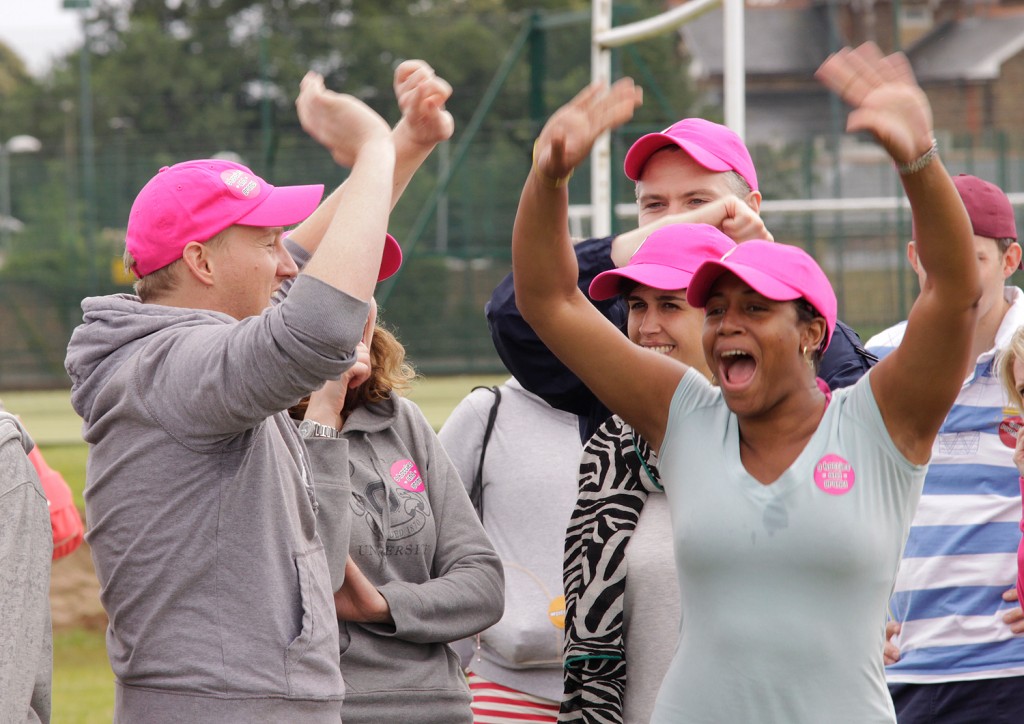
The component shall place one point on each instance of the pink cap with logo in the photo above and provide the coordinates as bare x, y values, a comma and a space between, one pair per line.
712, 145
196, 200
666, 259
776, 271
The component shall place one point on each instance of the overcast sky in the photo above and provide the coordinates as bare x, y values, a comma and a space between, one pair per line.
38, 30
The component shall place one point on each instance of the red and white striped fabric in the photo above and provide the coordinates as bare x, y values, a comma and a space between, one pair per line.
497, 704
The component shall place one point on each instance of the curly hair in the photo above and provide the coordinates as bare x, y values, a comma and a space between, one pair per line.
389, 372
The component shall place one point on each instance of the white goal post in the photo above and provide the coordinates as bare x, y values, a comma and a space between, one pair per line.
604, 37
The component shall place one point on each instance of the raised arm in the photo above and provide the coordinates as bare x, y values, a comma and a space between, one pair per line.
916, 385
635, 383
349, 254
421, 96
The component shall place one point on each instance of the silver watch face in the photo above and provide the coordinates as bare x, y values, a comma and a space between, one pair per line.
311, 428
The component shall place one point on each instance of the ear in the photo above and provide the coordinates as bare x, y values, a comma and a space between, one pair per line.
814, 333
912, 257
753, 200
199, 262
1011, 259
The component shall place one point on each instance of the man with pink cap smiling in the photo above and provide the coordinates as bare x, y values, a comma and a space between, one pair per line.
695, 171
958, 655
199, 493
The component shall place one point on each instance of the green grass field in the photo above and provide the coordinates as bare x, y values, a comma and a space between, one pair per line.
83, 691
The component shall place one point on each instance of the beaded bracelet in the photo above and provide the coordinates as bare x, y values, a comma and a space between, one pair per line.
551, 183
906, 169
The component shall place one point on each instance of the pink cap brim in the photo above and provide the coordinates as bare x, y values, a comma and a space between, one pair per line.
391, 259
641, 151
711, 271
768, 286
285, 206
608, 284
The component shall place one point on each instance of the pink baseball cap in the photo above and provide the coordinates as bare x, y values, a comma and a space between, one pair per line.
196, 200
666, 259
777, 271
712, 145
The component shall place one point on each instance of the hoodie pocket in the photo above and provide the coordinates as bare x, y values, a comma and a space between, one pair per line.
311, 659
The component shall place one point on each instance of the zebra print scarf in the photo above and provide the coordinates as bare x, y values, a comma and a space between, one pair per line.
617, 470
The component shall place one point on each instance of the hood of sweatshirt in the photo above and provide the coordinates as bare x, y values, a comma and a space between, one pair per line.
10, 428
112, 328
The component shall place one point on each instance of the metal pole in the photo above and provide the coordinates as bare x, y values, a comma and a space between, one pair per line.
88, 156
601, 155
734, 71
5, 198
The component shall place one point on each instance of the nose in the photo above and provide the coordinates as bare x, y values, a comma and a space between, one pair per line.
286, 266
650, 322
728, 321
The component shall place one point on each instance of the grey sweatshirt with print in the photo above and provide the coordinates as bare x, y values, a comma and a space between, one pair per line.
415, 535
199, 499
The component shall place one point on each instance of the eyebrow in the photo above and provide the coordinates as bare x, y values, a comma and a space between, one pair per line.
687, 195
660, 297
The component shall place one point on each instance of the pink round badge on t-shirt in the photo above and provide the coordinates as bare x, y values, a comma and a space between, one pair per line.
834, 475
407, 476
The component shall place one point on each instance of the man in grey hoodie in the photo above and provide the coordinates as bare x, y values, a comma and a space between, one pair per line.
199, 494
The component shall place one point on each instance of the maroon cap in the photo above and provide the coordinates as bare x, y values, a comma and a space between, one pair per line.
990, 211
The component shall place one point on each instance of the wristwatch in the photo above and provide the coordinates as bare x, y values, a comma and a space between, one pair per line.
311, 428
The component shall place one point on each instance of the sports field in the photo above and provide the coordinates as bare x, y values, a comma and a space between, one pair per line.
82, 681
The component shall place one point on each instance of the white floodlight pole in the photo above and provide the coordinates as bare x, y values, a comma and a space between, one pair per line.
601, 154
734, 71
604, 38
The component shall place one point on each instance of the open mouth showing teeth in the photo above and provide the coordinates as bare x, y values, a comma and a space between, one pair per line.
661, 348
737, 367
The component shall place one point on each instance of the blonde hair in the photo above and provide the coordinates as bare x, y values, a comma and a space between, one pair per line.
1004, 366
164, 280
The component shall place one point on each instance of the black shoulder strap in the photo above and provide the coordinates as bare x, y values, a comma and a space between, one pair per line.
476, 493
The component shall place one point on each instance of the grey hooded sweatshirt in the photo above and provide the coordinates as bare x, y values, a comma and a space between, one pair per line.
200, 503
417, 538
26, 546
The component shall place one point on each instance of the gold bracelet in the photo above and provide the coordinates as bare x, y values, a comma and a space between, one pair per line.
551, 183
906, 169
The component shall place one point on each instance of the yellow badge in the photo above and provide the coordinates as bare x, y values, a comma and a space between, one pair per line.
556, 612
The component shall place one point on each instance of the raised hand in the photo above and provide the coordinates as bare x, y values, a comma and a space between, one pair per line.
421, 96
569, 134
885, 97
341, 123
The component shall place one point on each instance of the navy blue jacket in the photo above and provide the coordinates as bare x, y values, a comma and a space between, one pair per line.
543, 374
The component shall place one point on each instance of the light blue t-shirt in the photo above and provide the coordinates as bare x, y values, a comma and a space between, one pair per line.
783, 586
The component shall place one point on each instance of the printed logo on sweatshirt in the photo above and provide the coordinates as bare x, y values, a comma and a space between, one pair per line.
407, 475
407, 513
834, 475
